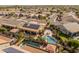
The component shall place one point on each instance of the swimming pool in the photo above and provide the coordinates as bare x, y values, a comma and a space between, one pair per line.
31, 43
51, 40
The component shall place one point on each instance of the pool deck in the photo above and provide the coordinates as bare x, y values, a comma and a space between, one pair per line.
33, 50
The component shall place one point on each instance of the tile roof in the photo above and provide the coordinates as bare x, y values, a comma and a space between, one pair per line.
72, 27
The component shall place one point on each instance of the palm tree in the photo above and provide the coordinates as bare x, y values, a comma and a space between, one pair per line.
20, 38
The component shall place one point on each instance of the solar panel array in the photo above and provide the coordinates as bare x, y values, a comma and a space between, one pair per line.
12, 50
32, 26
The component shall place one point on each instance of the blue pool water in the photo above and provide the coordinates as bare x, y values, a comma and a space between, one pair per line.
50, 40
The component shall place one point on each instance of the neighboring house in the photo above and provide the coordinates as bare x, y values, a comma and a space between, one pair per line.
6, 48
31, 26
69, 25
71, 29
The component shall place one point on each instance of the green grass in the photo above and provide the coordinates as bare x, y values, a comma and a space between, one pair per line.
63, 38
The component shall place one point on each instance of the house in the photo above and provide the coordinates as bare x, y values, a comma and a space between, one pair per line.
29, 26
69, 25
71, 29
65, 19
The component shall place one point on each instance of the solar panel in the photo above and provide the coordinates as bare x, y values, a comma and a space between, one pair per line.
32, 26
12, 50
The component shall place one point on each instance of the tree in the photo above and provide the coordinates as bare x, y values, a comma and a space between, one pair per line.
20, 38
73, 44
77, 14
3, 30
42, 17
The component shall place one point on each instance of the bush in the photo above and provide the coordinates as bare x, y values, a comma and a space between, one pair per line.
73, 43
